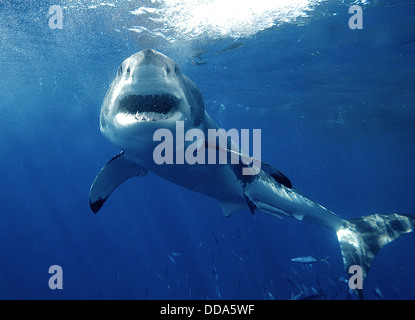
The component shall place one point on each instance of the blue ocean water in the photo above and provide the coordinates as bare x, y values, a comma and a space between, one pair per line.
336, 110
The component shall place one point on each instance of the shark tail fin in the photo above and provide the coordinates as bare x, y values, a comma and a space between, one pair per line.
362, 238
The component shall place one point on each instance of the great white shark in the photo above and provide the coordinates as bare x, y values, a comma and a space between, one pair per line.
150, 93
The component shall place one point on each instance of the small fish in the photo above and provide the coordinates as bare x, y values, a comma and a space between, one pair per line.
172, 260
377, 292
290, 281
215, 273
198, 53
238, 256
314, 291
198, 63
176, 254
342, 280
232, 47
159, 276
350, 293
269, 295
318, 280
296, 296
246, 251
216, 238
295, 272
217, 292
309, 260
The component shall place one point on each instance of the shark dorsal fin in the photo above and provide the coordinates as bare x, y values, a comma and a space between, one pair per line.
277, 175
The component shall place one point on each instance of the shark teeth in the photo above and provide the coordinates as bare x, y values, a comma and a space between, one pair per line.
162, 104
151, 116
149, 108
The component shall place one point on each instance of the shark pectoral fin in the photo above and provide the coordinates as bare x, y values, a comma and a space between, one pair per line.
228, 208
110, 177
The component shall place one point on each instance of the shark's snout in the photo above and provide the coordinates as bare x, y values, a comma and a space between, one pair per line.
151, 57
149, 65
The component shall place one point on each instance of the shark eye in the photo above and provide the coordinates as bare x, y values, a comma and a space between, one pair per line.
168, 70
128, 71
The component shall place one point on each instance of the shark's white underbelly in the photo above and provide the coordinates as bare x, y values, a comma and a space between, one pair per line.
217, 181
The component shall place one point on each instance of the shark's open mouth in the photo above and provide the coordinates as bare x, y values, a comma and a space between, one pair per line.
149, 107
